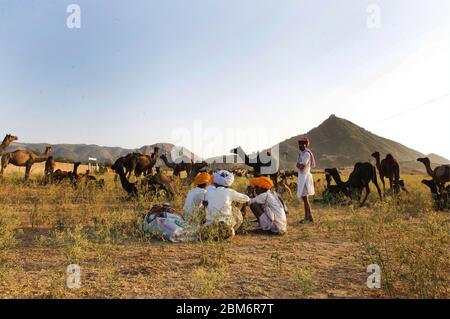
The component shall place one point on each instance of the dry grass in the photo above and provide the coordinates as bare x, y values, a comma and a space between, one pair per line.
43, 229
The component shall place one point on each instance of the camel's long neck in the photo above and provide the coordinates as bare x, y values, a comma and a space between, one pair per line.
124, 181
429, 170
337, 178
378, 162
166, 161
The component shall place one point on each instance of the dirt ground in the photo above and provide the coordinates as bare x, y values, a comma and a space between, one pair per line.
54, 226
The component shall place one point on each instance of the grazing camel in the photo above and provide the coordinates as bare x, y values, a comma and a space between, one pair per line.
359, 179
59, 175
440, 174
130, 188
24, 159
257, 164
440, 197
6, 141
390, 169
178, 167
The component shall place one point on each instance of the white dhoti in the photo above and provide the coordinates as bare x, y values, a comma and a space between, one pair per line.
305, 184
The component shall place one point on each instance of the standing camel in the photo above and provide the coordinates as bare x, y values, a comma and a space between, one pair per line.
388, 168
440, 174
178, 167
6, 141
257, 164
359, 179
24, 159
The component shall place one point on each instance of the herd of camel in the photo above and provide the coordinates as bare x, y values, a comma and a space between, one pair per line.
142, 165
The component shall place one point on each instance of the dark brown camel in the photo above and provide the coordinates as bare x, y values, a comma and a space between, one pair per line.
440, 197
359, 179
257, 164
130, 188
178, 167
24, 159
6, 141
390, 169
440, 174
59, 175
196, 168
141, 163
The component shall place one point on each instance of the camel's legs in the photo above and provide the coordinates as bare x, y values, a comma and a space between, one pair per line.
5, 162
366, 195
391, 184
27, 171
384, 184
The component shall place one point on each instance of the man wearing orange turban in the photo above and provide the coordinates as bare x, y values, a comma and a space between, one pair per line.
267, 206
196, 196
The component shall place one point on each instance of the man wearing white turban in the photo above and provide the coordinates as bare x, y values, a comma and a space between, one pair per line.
219, 208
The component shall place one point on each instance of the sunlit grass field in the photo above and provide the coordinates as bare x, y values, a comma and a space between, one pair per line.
44, 228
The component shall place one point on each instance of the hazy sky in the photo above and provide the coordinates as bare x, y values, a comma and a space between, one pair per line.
222, 72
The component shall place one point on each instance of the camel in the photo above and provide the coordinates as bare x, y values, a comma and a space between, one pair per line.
257, 164
6, 141
359, 179
130, 188
59, 175
388, 168
151, 182
440, 174
196, 168
141, 163
440, 197
178, 167
24, 159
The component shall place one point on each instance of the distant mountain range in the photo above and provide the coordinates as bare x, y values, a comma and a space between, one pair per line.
336, 143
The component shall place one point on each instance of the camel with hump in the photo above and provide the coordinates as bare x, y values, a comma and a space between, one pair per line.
25, 159
261, 162
440, 175
390, 169
6, 141
359, 179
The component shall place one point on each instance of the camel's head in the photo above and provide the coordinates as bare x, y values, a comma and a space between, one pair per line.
10, 138
376, 154
331, 171
424, 160
431, 185
48, 150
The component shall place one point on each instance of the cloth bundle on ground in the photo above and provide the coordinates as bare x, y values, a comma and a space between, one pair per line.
164, 223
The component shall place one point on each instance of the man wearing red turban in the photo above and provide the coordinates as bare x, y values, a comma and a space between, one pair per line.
305, 186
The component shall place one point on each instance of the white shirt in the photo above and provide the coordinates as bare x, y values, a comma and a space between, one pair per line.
210, 186
194, 200
220, 202
273, 208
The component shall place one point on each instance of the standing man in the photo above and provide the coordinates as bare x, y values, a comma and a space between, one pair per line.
305, 186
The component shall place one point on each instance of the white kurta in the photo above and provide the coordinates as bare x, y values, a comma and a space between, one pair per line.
274, 210
220, 208
193, 201
305, 186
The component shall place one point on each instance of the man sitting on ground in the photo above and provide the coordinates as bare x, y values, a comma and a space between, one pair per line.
219, 210
267, 206
196, 196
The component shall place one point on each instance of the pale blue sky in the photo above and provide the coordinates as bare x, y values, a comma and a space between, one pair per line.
139, 71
